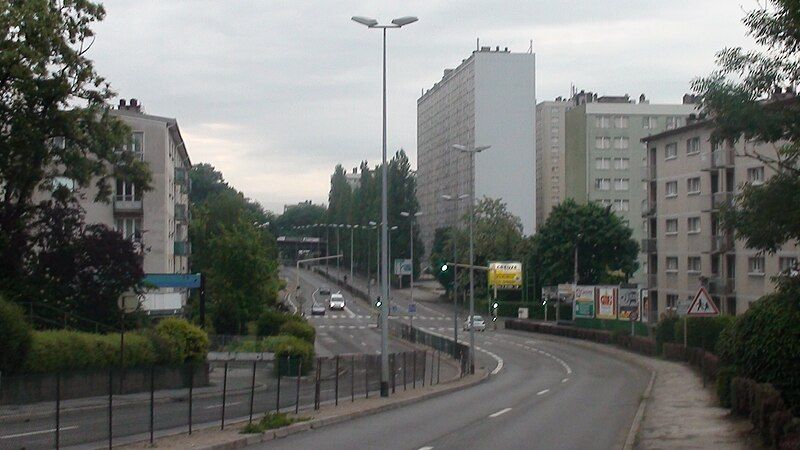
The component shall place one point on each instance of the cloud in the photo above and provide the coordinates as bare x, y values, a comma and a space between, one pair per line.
275, 94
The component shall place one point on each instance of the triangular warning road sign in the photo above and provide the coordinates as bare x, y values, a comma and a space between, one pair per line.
702, 305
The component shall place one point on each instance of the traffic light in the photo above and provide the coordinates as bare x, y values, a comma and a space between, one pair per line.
444, 267
378, 303
495, 305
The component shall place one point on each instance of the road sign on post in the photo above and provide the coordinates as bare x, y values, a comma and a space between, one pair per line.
702, 305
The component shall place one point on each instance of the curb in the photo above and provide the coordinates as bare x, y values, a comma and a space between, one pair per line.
253, 439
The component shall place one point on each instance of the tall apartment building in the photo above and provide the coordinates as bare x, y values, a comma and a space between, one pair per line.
158, 220
604, 153
489, 99
550, 154
688, 181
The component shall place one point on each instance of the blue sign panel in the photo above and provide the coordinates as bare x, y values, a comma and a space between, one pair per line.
412, 308
175, 280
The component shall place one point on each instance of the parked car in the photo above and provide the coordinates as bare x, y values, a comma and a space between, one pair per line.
477, 322
337, 301
317, 309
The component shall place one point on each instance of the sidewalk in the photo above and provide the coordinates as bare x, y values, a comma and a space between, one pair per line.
678, 412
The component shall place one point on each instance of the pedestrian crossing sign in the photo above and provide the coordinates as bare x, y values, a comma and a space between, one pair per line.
702, 305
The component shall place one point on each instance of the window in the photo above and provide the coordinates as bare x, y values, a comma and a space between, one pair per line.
554, 119
621, 163
602, 163
672, 226
554, 148
671, 189
693, 146
621, 205
554, 140
787, 263
621, 184
693, 185
602, 142
621, 143
553, 130
129, 227
755, 265
602, 122
671, 151
673, 122
65, 182
693, 264
693, 225
127, 192
672, 301
602, 184
137, 144
755, 175
621, 122
672, 263
648, 122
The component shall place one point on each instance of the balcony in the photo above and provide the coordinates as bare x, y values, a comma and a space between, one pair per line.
181, 213
648, 207
181, 176
722, 158
649, 173
652, 281
721, 243
127, 205
182, 248
721, 199
721, 286
649, 246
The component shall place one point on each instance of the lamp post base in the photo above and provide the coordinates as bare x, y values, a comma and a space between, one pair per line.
384, 388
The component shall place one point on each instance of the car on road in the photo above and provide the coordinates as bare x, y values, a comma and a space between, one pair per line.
324, 291
477, 322
317, 309
337, 301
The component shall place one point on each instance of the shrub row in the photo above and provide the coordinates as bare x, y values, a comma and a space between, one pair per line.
290, 350
601, 336
15, 337
770, 416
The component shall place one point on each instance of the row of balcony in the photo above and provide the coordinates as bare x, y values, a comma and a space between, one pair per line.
719, 243
716, 285
135, 206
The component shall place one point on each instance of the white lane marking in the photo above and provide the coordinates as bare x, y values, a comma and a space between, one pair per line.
220, 405
499, 413
425, 448
364, 344
349, 313
31, 433
565, 380
542, 392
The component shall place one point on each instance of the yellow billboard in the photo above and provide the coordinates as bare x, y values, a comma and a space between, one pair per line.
505, 275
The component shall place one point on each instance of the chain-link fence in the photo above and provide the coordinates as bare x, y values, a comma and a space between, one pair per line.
121, 405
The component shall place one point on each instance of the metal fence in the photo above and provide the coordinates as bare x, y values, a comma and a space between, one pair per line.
123, 405
458, 351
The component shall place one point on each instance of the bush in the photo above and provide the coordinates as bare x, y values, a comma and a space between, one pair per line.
724, 378
53, 351
270, 322
15, 337
192, 341
270, 421
665, 331
292, 349
765, 344
298, 329
703, 331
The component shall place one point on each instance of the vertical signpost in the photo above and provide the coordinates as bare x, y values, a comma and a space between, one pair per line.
702, 306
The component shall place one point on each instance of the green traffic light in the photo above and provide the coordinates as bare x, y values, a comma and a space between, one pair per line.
444, 267
495, 305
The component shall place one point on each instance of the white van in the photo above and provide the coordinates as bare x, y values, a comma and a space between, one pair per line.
337, 301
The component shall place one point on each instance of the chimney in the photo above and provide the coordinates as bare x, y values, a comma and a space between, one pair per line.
497, 49
643, 99
135, 106
121, 104
689, 99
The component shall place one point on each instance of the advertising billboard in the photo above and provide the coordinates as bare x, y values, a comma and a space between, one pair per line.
505, 275
584, 302
402, 267
628, 301
606, 302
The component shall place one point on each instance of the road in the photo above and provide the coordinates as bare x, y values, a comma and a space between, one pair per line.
550, 394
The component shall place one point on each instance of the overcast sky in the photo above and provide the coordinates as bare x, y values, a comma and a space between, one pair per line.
276, 93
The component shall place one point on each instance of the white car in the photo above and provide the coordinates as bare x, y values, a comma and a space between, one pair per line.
337, 301
477, 322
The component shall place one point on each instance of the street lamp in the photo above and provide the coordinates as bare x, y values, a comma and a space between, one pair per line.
472, 152
411, 250
372, 226
396, 23
450, 198
352, 230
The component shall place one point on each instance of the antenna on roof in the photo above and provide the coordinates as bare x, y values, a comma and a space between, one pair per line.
530, 49
478, 44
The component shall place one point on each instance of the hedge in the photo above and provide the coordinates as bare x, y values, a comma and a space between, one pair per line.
770, 417
15, 337
665, 331
612, 325
191, 341
292, 349
270, 322
301, 330
703, 331
53, 351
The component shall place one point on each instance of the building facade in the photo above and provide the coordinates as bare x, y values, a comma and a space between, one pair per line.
489, 99
688, 180
550, 154
604, 154
157, 220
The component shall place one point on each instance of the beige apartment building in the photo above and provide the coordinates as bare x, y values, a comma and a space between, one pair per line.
157, 220
688, 180
550, 145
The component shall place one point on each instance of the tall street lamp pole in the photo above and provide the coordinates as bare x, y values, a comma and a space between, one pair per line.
369, 259
352, 230
454, 239
412, 220
396, 23
471, 153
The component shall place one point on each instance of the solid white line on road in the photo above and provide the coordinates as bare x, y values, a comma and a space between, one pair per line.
545, 391
565, 380
364, 344
220, 405
499, 413
31, 433
425, 448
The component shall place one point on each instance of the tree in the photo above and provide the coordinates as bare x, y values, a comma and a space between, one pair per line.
305, 213
44, 75
604, 245
745, 101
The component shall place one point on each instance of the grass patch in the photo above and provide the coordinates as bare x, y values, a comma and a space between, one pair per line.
270, 421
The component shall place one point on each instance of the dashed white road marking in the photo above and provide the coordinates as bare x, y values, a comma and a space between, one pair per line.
565, 380
543, 391
220, 405
425, 448
32, 433
500, 413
